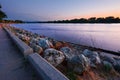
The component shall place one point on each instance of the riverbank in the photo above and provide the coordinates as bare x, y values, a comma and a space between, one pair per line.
75, 61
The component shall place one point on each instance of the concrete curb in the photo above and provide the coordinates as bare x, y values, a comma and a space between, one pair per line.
45, 70
24, 48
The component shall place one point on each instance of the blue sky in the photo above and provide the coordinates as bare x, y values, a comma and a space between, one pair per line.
44, 10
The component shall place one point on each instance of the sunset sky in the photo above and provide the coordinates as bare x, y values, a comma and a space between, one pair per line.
44, 10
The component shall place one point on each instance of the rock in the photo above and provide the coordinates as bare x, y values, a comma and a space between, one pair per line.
87, 53
35, 35
117, 65
79, 64
32, 45
44, 43
53, 56
38, 49
58, 45
34, 40
67, 52
109, 59
107, 65
95, 58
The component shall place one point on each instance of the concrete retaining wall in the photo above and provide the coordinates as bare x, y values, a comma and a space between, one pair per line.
24, 48
44, 69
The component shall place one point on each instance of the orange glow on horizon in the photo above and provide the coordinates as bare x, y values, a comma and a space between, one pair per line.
114, 14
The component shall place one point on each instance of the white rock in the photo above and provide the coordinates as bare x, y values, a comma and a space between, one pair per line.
53, 56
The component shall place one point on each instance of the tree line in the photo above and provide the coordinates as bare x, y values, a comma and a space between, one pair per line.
109, 19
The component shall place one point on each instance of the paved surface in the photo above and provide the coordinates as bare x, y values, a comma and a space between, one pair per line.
12, 63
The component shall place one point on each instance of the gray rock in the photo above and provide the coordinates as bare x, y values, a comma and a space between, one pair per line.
32, 45
53, 56
109, 59
44, 43
87, 53
67, 52
95, 58
34, 40
38, 49
79, 64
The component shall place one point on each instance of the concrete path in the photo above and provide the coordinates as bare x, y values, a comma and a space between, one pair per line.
12, 63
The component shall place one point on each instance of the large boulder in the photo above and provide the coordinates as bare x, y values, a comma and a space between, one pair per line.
53, 56
79, 64
93, 57
67, 52
45, 43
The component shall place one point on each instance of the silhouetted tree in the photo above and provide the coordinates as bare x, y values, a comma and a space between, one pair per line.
2, 14
100, 20
92, 20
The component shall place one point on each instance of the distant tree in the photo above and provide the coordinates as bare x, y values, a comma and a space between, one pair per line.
83, 20
117, 20
2, 14
92, 20
109, 19
100, 20
18, 21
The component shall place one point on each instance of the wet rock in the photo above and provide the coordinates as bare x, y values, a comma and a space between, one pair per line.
79, 64
53, 56
67, 52
44, 43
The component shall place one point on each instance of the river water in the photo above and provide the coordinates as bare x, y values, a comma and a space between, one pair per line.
105, 36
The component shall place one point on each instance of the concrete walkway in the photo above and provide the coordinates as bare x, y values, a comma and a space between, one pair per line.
12, 63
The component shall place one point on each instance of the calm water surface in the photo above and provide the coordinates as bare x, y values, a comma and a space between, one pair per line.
106, 36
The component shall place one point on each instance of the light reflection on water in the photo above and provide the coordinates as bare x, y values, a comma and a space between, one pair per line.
106, 36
